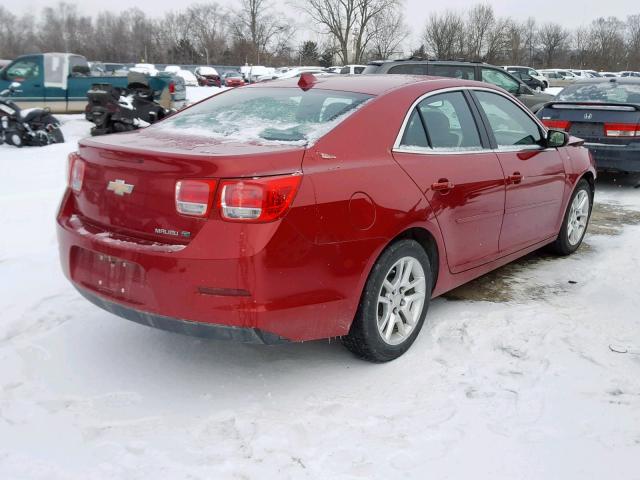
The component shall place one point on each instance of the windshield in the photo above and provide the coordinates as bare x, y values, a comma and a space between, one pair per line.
266, 115
604, 92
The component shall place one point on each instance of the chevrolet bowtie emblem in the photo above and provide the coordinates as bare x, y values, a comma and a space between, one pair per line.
119, 187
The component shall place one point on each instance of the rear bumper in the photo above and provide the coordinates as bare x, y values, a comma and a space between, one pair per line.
260, 283
174, 325
611, 157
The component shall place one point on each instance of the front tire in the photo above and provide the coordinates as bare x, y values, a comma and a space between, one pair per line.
576, 220
393, 305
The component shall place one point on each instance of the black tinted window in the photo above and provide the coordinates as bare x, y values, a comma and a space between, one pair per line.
453, 71
414, 135
410, 69
511, 126
449, 122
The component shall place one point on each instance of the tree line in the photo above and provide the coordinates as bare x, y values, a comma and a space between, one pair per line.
350, 31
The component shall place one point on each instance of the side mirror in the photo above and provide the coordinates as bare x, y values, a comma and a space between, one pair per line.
557, 138
14, 85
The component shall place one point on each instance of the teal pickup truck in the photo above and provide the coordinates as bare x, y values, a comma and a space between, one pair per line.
60, 81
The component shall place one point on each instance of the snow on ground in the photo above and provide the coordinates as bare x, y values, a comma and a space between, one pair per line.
511, 378
553, 90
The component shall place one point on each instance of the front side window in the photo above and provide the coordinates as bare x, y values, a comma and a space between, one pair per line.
266, 114
23, 70
511, 126
500, 79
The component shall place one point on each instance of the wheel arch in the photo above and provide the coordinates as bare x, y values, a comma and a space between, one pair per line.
428, 242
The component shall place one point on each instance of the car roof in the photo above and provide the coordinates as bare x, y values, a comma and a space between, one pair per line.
372, 84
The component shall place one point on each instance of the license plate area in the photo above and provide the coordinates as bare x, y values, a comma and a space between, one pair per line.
589, 130
109, 275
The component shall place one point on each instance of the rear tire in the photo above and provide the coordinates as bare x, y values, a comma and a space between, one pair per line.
576, 220
393, 305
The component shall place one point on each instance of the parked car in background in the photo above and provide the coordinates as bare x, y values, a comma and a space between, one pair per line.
146, 68
528, 80
608, 74
60, 81
629, 74
251, 73
352, 69
556, 79
529, 71
581, 74
233, 79
189, 78
287, 182
335, 69
605, 112
463, 70
207, 77
172, 68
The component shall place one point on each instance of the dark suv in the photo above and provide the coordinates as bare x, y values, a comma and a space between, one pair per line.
481, 72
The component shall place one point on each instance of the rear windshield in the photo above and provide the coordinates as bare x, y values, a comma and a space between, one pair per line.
605, 92
265, 115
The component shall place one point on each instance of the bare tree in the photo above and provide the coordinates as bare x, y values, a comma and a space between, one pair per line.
347, 22
553, 38
442, 33
388, 32
480, 21
633, 41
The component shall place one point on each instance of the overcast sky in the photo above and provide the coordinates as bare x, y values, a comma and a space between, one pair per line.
570, 13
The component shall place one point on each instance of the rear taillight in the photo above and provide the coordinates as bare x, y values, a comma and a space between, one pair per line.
557, 124
257, 199
76, 172
172, 87
621, 130
194, 197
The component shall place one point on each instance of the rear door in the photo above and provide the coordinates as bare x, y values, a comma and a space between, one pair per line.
534, 174
447, 156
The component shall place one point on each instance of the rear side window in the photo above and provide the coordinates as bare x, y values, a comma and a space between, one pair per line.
410, 69
511, 126
453, 71
450, 124
414, 134
358, 69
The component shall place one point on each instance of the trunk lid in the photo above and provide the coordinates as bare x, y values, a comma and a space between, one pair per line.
152, 162
587, 120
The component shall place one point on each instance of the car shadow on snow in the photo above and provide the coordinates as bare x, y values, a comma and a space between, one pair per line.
513, 282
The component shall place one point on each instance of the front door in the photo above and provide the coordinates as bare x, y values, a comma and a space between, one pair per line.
444, 153
535, 175
28, 72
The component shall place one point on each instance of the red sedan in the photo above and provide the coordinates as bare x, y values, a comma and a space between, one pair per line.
332, 207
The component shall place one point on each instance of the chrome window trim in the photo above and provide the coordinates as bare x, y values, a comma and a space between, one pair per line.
397, 147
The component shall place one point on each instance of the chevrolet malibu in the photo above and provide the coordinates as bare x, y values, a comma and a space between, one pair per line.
324, 207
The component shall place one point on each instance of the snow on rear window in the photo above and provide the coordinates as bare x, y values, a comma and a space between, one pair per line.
266, 115
605, 92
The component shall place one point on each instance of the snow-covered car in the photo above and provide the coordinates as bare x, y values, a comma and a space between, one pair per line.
147, 68
172, 68
207, 77
189, 78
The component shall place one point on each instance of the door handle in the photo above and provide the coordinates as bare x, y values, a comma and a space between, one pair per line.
443, 185
515, 178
